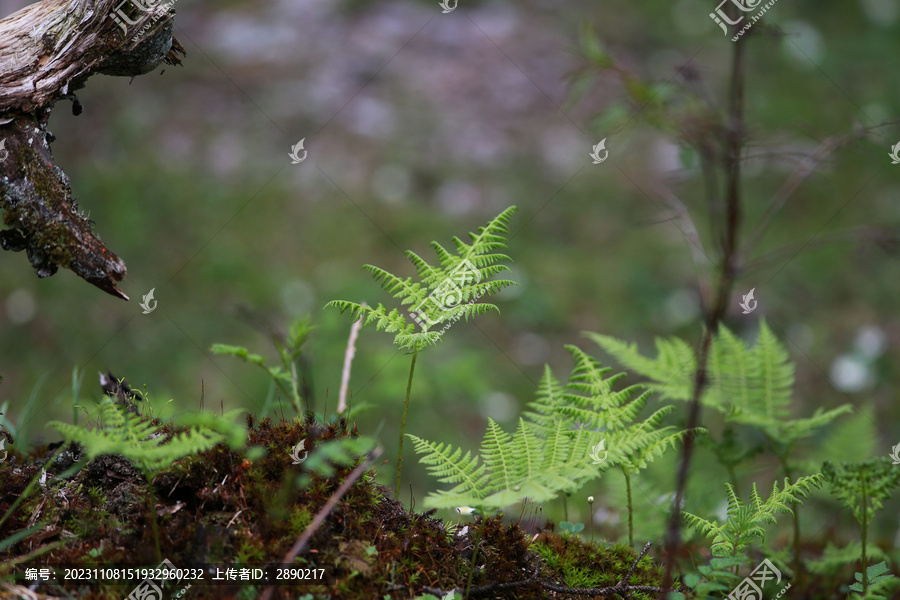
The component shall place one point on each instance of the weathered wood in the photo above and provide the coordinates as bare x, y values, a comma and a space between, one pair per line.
47, 52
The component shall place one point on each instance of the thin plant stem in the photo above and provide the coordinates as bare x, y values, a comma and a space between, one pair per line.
475, 554
76, 388
153, 521
795, 506
630, 507
348, 360
412, 368
864, 532
591, 516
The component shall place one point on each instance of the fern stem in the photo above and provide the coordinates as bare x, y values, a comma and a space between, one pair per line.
76, 387
153, 521
630, 507
412, 368
865, 527
782, 457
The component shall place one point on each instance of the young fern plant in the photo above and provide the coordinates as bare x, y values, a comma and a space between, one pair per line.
554, 448
535, 462
879, 583
138, 440
590, 401
750, 386
439, 297
862, 487
289, 348
746, 522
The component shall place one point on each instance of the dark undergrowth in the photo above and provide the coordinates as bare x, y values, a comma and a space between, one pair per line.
220, 507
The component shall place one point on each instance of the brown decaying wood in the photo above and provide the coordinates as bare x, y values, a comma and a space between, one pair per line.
47, 52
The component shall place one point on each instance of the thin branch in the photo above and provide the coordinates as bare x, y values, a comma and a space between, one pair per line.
307, 534
348, 360
807, 166
887, 238
692, 236
734, 140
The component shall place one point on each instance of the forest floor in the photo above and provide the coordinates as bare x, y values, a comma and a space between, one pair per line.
221, 509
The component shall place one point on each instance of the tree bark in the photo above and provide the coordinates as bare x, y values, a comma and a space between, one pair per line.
47, 52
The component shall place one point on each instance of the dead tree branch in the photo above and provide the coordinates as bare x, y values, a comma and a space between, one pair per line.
47, 52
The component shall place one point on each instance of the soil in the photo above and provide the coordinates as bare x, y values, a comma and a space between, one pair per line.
219, 509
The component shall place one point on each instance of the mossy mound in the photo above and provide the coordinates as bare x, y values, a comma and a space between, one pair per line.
222, 508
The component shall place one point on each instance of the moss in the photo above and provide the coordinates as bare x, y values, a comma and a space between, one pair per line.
221, 507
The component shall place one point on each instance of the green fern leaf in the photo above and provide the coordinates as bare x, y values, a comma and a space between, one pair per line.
443, 294
137, 440
862, 486
551, 451
670, 372
508, 467
746, 522
749, 385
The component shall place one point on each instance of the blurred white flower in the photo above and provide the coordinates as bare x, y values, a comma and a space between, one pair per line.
849, 373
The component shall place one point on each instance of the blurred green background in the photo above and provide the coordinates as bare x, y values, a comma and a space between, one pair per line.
420, 126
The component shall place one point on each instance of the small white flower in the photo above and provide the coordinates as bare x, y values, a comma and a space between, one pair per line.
590, 499
465, 510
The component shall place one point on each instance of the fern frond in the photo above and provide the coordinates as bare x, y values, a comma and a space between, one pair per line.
747, 522
834, 559
644, 448
447, 465
126, 434
671, 371
508, 467
406, 336
496, 452
545, 409
402, 289
749, 385
552, 448
862, 486
443, 294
